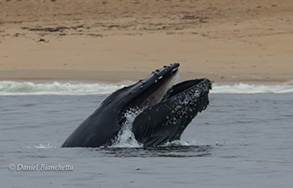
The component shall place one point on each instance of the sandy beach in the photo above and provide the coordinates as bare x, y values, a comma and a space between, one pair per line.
104, 40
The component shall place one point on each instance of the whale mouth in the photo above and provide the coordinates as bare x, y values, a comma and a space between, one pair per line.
158, 95
149, 91
171, 88
164, 79
186, 85
157, 87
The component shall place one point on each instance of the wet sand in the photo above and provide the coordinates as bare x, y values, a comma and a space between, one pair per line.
227, 41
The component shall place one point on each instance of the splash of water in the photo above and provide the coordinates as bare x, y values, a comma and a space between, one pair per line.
126, 137
181, 143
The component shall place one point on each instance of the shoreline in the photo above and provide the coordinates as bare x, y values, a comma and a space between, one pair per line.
109, 77
41, 87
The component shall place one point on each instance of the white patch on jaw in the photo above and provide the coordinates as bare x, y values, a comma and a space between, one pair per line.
175, 79
158, 95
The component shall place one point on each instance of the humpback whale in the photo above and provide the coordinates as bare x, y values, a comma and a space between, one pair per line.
166, 111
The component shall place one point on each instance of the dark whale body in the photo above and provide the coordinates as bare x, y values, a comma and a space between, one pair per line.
166, 111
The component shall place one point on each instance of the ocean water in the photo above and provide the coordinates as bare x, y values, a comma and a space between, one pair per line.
243, 139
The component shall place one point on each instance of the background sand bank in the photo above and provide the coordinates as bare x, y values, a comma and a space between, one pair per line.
228, 40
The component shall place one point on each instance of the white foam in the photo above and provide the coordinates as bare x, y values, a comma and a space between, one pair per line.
59, 88
79, 88
44, 146
126, 138
244, 88
181, 143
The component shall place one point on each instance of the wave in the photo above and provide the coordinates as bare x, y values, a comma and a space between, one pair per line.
244, 88
79, 88
58, 88
44, 146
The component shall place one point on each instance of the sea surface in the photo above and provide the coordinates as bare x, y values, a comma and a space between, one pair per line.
243, 139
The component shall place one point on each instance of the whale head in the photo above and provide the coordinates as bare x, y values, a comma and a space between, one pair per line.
166, 111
